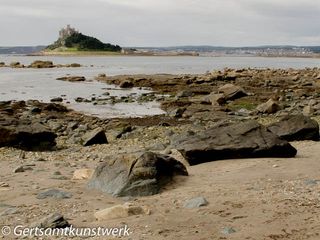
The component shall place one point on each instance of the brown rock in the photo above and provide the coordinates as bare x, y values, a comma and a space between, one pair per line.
126, 84
120, 211
16, 65
82, 174
41, 64
72, 78
271, 106
217, 99
74, 65
232, 92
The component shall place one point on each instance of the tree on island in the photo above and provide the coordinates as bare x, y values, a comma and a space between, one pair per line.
70, 38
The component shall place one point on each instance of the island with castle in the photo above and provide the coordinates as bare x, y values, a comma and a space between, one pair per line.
71, 41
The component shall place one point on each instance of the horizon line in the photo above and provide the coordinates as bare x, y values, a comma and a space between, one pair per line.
187, 45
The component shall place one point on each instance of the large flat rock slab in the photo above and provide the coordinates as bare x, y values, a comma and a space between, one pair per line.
241, 140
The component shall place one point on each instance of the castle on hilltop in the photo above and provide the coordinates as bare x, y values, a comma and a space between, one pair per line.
66, 32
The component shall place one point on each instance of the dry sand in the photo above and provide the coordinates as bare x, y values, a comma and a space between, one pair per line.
258, 198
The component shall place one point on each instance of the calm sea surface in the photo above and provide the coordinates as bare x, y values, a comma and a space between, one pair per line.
41, 84
114, 65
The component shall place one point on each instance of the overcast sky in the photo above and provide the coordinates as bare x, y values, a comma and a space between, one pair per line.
163, 22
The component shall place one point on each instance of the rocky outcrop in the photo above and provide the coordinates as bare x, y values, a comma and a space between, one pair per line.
30, 136
54, 107
29, 124
16, 65
296, 128
126, 84
139, 174
74, 65
240, 140
41, 64
72, 78
56, 99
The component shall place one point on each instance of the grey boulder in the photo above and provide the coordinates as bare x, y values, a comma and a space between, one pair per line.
138, 174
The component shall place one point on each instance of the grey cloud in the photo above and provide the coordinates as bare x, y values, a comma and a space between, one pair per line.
165, 22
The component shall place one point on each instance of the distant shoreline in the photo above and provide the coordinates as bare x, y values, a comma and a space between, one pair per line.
162, 54
104, 53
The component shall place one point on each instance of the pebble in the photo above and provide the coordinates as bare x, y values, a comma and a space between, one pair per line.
311, 182
196, 202
4, 185
55, 220
41, 160
228, 230
59, 177
54, 193
9, 211
21, 169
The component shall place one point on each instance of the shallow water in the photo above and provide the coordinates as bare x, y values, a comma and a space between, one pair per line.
41, 84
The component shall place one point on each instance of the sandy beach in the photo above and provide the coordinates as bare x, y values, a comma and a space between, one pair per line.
258, 198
